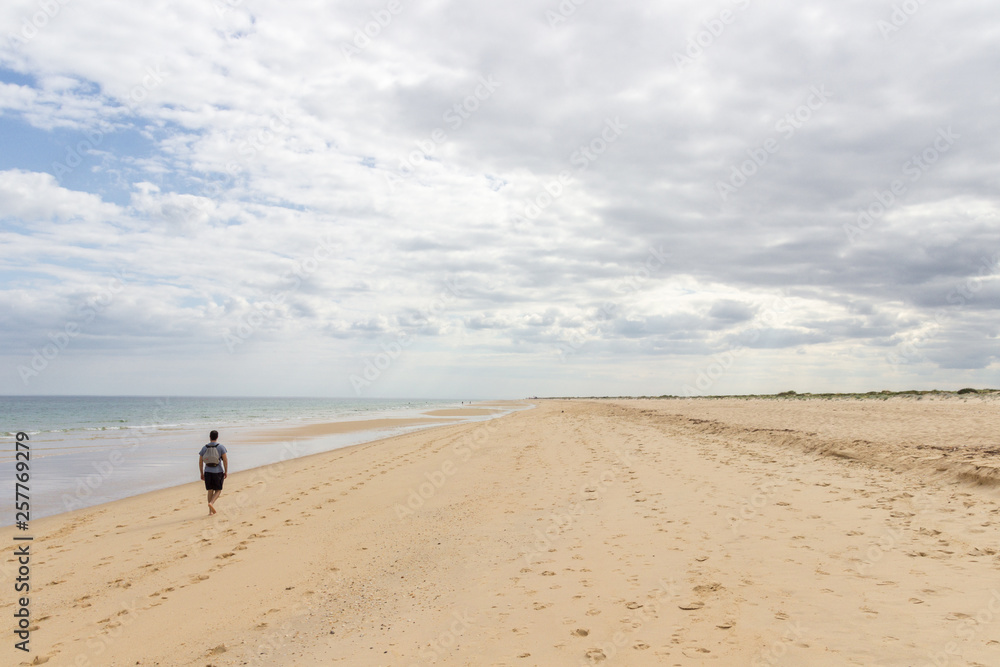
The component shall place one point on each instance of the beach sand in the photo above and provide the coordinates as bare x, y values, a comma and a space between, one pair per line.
661, 532
336, 428
462, 412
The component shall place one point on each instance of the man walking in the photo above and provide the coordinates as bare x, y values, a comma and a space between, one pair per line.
214, 467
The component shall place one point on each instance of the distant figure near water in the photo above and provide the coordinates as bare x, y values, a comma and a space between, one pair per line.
213, 464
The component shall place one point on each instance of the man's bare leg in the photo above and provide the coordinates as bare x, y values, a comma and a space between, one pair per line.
214, 496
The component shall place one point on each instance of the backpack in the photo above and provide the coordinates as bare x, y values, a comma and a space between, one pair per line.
211, 457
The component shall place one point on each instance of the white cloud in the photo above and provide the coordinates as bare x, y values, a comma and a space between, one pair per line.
486, 182
32, 198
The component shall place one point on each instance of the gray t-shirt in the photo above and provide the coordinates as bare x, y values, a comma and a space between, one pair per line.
218, 468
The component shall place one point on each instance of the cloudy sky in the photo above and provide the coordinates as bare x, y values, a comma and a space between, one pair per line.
458, 199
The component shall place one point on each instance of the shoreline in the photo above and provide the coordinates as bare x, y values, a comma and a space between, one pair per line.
256, 472
119, 469
579, 532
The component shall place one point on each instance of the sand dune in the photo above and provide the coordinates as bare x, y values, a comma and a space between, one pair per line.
578, 533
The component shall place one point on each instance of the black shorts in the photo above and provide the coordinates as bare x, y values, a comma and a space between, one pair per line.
213, 481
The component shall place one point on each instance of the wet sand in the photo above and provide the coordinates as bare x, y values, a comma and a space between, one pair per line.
334, 428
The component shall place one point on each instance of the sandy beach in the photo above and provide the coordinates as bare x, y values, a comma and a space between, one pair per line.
314, 430
632, 532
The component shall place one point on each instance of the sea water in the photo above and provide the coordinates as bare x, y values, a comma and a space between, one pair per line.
87, 450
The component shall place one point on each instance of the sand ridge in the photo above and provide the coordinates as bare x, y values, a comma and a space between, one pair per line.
958, 437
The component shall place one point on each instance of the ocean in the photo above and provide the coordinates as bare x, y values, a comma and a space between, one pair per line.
87, 450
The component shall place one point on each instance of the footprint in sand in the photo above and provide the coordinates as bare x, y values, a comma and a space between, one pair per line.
708, 588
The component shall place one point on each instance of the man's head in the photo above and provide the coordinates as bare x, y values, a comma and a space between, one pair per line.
213, 436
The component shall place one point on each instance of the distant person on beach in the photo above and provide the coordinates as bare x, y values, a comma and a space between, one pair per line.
214, 467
